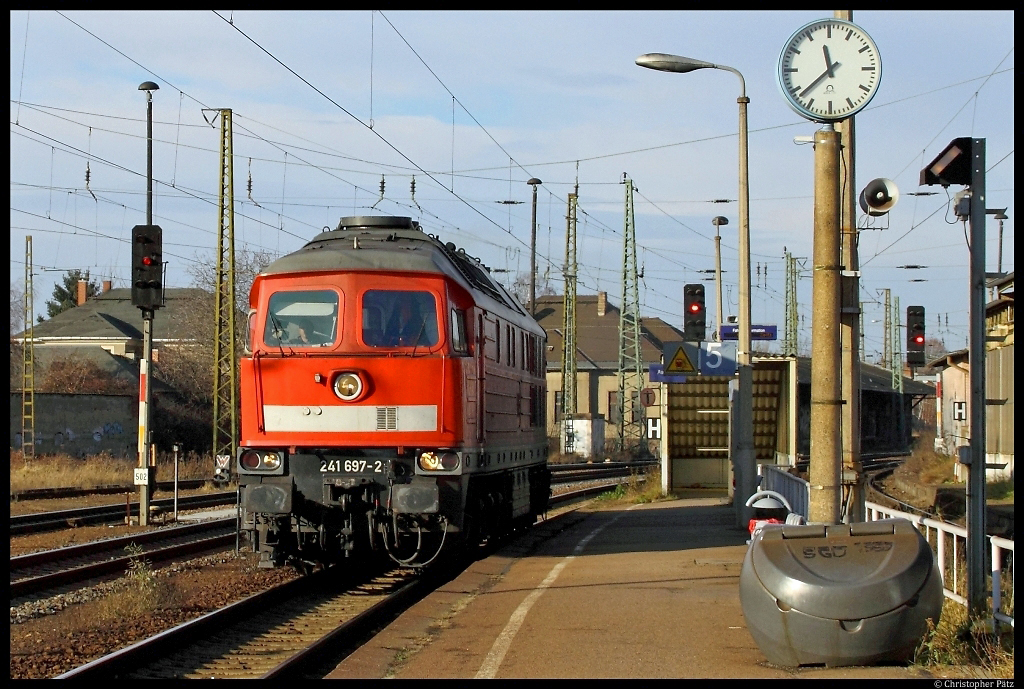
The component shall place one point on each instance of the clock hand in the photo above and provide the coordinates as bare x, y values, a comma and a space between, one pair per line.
828, 62
827, 73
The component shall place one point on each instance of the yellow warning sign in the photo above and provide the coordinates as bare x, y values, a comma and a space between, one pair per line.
680, 363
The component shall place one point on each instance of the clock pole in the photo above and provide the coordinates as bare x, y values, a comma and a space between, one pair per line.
826, 391
829, 70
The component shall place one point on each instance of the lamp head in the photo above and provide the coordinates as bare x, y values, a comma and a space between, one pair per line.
534, 181
663, 62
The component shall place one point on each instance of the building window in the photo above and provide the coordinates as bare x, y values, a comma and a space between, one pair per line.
614, 408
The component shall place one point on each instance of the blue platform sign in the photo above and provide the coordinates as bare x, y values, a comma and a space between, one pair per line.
694, 358
718, 358
658, 375
731, 331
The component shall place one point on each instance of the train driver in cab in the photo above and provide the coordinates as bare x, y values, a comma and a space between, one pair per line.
407, 325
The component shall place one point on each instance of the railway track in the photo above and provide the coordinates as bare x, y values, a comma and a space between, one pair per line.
47, 570
40, 572
62, 519
999, 518
56, 493
285, 630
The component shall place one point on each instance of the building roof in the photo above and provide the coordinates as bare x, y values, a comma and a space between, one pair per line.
111, 315
1003, 282
116, 366
597, 336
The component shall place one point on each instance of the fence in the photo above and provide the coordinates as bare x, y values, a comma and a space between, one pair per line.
949, 542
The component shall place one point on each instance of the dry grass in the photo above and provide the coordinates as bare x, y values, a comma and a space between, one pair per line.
143, 592
64, 471
642, 486
964, 647
926, 466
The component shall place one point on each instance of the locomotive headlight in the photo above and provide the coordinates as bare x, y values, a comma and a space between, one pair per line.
253, 460
250, 460
439, 461
348, 386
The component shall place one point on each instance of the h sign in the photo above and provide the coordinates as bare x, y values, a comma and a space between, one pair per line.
959, 411
653, 429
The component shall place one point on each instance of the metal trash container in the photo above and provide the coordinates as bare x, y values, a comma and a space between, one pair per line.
848, 594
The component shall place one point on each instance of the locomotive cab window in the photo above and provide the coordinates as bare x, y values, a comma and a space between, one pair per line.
393, 318
302, 319
459, 345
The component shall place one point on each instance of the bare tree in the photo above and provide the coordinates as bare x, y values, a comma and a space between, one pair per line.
248, 264
17, 308
189, 368
68, 375
520, 287
934, 347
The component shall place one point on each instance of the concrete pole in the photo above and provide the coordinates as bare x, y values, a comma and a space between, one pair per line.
825, 342
144, 406
746, 454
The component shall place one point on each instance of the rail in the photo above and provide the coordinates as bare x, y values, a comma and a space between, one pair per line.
948, 541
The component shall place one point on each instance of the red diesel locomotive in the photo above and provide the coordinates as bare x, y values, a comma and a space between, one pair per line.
392, 399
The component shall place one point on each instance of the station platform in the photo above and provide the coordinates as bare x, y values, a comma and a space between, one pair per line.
646, 591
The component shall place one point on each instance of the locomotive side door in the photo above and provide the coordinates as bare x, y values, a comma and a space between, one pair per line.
479, 341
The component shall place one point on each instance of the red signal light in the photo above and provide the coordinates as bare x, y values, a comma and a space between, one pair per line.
919, 339
147, 261
694, 308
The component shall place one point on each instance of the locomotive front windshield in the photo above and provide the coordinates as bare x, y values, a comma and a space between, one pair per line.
393, 318
302, 319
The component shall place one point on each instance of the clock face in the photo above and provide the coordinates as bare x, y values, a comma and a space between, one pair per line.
829, 70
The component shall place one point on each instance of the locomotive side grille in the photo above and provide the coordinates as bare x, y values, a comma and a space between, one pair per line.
387, 418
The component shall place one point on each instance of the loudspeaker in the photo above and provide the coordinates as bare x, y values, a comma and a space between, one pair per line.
879, 196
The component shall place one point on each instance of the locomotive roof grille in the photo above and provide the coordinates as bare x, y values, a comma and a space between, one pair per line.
473, 273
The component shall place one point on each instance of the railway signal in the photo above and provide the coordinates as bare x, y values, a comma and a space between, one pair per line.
147, 267
694, 313
915, 336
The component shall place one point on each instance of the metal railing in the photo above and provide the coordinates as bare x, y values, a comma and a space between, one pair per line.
796, 490
950, 546
948, 541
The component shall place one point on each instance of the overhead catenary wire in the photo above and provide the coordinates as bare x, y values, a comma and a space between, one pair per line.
376, 133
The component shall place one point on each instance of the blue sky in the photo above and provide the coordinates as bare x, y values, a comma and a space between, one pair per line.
471, 105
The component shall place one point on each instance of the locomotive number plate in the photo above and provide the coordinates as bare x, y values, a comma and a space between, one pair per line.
352, 466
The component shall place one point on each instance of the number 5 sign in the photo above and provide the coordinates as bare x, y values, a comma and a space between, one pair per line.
717, 358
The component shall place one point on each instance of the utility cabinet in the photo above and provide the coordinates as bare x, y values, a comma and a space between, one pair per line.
845, 594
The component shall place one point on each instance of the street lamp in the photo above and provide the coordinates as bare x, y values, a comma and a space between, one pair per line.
533, 248
745, 457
